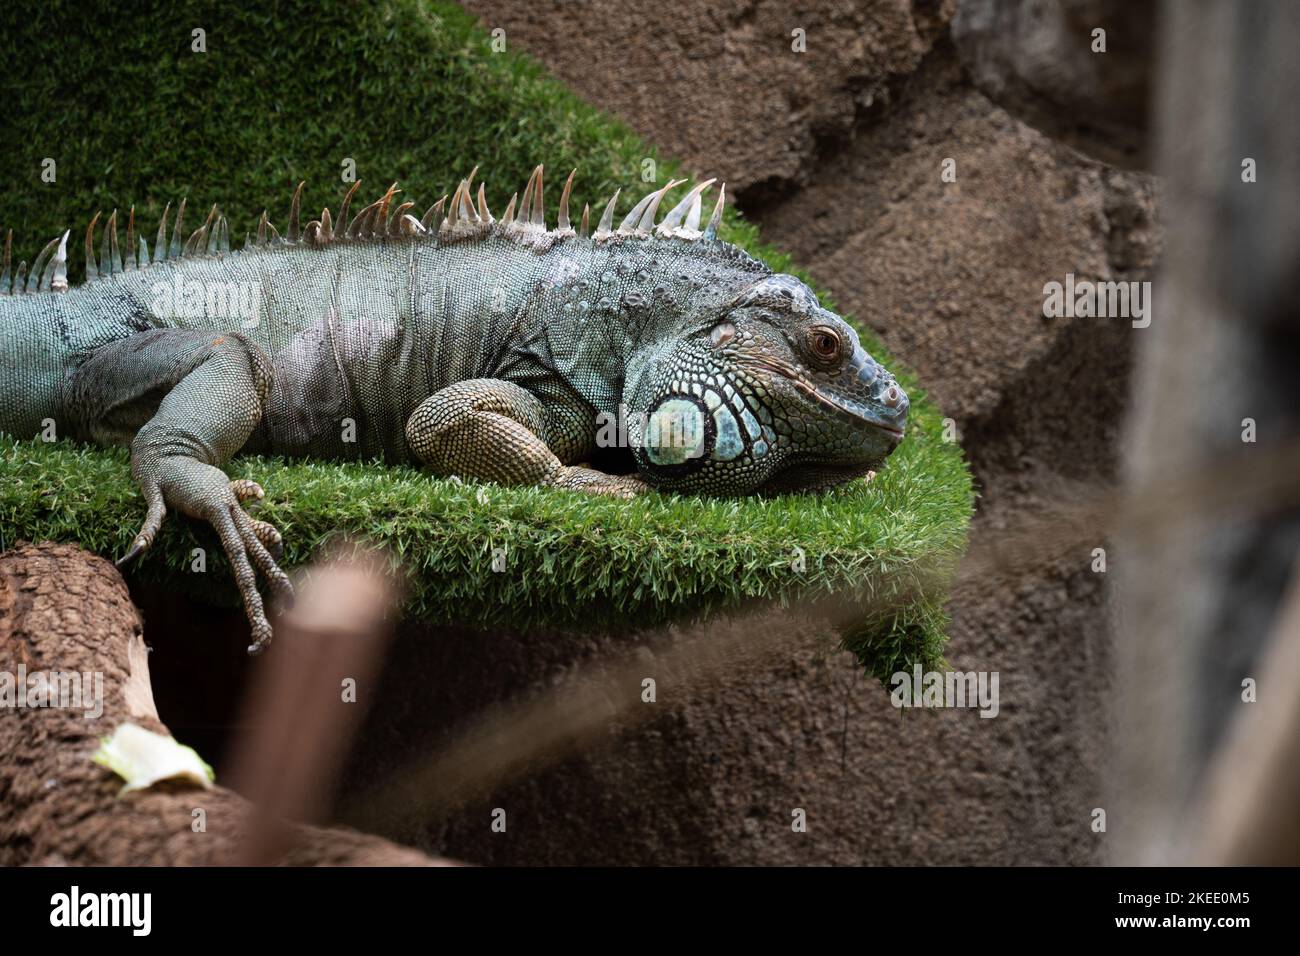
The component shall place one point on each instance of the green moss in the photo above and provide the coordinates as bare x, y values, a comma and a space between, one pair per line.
411, 91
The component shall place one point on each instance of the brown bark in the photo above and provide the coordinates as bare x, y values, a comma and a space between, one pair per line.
63, 609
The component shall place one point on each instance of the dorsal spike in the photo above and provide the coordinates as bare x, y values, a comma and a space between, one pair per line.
160, 242
105, 262
381, 211
467, 210
409, 226
197, 243
115, 249
46, 280
174, 249
4, 262
468, 197
692, 223
128, 254
363, 225
539, 207
509, 214
678, 212
526, 201
483, 212
453, 209
59, 284
633, 218
56, 268
273, 234
92, 272
711, 230
433, 215
586, 220
223, 243
562, 224
647, 223
20, 280
108, 247
606, 224
326, 227
143, 256
214, 237
295, 211
261, 229
59, 281
341, 224
34, 283
395, 223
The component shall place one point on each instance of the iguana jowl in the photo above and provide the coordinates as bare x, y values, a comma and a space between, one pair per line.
484, 348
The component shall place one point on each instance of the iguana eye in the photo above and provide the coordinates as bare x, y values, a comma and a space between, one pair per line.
722, 333
825, 343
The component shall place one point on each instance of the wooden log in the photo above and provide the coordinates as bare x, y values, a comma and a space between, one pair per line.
64, 609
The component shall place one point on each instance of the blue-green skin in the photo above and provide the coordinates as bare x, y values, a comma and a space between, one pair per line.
488, 351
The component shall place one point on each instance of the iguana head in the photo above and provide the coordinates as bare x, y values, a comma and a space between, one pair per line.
766, 393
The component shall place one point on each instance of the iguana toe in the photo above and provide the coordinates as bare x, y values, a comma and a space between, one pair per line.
269, 536
247, 490
581, 478
149, 530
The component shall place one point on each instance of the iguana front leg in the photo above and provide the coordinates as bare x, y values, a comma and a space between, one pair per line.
494, 430
186, 401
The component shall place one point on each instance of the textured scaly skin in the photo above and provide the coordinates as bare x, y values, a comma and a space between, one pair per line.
491, 350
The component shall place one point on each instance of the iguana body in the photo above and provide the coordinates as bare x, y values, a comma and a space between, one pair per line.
494, 350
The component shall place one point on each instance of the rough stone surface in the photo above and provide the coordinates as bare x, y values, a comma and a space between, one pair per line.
952, 273
1079, 70
719, 85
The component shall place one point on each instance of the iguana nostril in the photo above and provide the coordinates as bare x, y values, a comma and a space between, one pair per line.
893, 396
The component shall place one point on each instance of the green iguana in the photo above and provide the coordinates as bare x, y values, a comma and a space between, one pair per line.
488, 349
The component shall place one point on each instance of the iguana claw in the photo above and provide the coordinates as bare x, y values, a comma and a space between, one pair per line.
138, 547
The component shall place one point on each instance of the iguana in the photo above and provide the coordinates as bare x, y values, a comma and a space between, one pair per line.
490, 349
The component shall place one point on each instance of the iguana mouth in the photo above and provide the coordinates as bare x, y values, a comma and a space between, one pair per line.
800, 382
831, 401
896, 433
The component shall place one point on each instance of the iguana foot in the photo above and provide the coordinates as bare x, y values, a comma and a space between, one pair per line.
582, 478
495, 430
204, 492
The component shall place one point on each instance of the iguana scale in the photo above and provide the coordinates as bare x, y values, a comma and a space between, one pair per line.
489, 349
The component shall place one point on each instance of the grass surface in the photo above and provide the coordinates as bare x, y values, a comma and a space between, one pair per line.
410, 91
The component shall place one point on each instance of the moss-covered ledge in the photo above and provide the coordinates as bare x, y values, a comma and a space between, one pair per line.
411, 90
